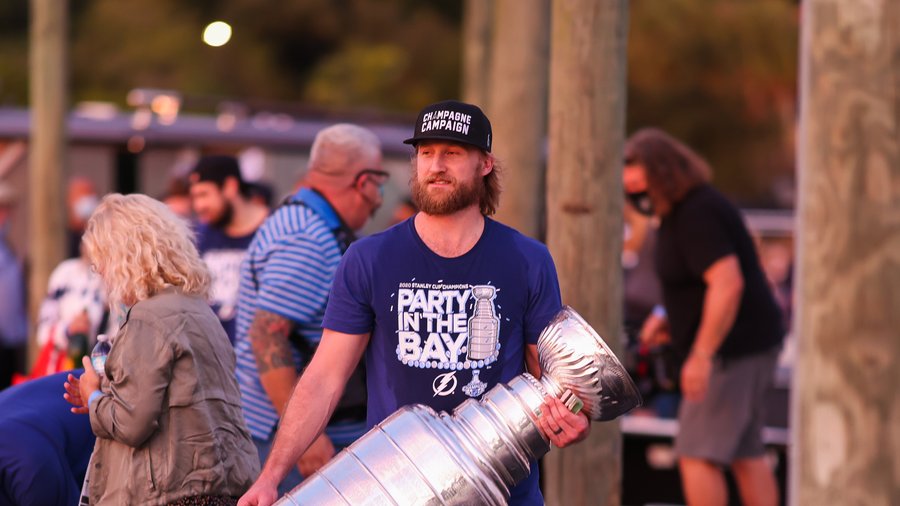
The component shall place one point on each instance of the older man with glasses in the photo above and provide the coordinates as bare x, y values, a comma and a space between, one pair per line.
285, 281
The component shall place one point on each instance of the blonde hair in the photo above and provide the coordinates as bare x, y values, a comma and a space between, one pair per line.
138, 246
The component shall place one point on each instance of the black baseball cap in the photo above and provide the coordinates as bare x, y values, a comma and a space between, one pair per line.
216, 168
451, 120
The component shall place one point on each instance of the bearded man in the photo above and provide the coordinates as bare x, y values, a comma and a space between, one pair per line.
228, 220
444, 305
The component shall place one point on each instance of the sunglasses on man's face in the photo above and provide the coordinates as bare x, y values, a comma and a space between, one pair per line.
378, 176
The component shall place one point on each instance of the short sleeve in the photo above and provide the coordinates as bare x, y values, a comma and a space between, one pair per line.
297, 277
703, 236
544, 300
349, 308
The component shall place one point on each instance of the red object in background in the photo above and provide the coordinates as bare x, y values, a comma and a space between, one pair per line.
51, 360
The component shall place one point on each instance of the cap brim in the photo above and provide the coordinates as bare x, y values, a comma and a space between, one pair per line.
415, 140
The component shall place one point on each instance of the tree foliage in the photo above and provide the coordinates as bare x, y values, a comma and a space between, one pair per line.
720, 74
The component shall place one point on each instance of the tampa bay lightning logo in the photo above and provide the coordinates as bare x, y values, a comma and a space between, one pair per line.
444, 384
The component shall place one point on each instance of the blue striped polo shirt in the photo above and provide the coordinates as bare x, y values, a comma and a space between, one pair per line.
288, 271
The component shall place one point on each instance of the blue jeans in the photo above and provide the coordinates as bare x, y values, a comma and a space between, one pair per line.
293, 478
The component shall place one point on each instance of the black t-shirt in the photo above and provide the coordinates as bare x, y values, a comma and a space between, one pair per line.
701, 229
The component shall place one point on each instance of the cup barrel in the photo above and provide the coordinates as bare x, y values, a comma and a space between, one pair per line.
412, 457
474, 456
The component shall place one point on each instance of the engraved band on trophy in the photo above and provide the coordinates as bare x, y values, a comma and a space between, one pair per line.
417, 456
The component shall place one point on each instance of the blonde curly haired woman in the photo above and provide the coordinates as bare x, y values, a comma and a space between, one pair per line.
167, 410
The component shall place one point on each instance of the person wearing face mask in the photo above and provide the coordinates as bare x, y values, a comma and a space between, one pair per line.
81, 200
721, 315
285, 282
74, 310
229, 217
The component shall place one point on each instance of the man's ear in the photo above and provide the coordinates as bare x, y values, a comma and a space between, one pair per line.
231, 187
359, 182
487, 164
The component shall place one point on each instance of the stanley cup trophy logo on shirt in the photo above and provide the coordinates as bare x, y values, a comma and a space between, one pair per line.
474, 456
484, 327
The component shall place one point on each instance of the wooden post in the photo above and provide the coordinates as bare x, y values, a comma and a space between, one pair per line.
478, 19
584, 205
846, 401
517, 106
47, 153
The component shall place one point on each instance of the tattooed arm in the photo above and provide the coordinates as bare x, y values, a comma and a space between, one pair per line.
314, 400
269, 338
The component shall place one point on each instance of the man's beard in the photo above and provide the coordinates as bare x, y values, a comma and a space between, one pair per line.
224, 219
463, 194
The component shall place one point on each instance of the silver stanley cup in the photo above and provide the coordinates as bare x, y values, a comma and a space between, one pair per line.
474, 456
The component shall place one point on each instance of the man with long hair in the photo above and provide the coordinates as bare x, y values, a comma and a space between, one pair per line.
722, 318
444, 305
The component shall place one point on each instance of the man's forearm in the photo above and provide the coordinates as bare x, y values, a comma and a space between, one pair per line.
303, 420
720, 308
313, 400
270, 341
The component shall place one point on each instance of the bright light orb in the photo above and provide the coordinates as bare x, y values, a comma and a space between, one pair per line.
217, 33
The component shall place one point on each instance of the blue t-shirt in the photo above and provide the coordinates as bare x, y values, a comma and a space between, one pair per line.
223, 255
444, 329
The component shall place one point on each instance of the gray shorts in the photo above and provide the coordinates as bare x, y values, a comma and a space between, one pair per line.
727, 424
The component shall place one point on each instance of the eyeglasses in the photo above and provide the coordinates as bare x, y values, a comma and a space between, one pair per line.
378, 176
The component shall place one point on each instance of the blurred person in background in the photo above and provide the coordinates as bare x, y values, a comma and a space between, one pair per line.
74, 309
261, 193
178, 198
649, 360
284, 288
723, 320
641, 290
44, 449
404, 210
228, 216
73, 312
13, 319
81, 200
166, 410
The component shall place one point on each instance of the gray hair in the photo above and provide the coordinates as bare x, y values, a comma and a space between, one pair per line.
338, 148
